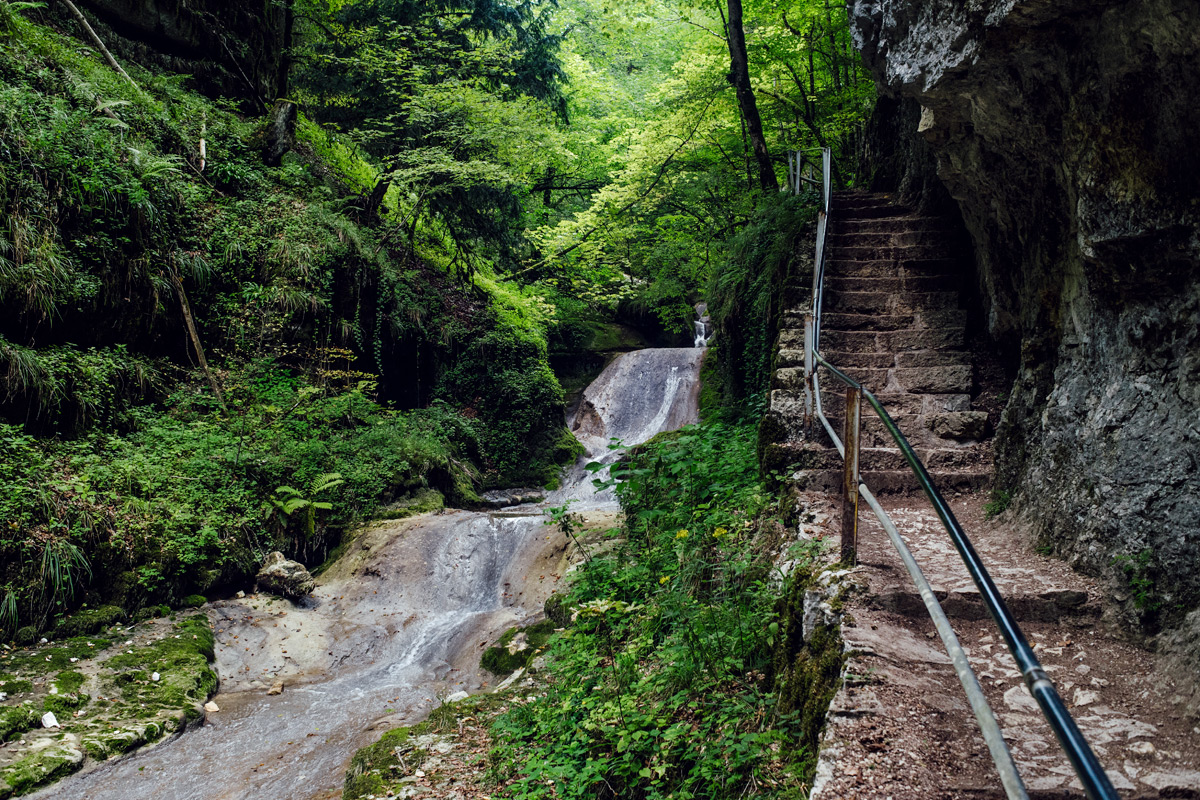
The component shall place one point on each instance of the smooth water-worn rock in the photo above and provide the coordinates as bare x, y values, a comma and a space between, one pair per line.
397, 622
1065, 133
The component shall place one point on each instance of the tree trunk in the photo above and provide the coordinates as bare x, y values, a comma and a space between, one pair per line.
285, 57
375, 200
739, 76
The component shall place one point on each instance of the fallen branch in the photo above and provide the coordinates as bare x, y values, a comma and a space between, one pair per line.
112, 62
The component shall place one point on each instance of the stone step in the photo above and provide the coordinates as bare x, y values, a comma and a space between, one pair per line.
897, 404
858, 199
908, 358
951, 379
790, 394
865, 212
912, 222
898, 238
917, 320
806, 456
892, 283
895, 253
883, 268
947, 338
887, 302
794, 357
895, 481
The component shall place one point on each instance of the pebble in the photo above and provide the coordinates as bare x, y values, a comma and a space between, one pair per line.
154, 676
211, 707
1141, 748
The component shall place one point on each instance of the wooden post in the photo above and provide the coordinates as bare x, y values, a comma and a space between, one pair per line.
850, 477
809, 395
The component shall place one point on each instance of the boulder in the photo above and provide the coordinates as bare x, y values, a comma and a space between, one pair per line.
286, 578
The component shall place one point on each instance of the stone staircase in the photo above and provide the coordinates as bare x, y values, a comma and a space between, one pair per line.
892, 320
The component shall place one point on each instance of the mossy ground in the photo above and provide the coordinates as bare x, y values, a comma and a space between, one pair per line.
103, 692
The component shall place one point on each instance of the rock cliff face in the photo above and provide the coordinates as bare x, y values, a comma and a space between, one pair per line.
1067, 135
231, 49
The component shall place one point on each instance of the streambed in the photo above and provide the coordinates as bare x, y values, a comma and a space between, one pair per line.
397, 623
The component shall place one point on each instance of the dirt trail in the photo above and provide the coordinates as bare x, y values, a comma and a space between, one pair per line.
900, 726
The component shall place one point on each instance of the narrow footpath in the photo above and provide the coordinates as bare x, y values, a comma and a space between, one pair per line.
900, 727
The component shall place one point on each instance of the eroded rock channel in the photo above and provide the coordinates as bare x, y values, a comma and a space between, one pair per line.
398, 622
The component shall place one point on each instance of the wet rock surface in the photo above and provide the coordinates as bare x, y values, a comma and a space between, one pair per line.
1065, 135
399, 621
503, 498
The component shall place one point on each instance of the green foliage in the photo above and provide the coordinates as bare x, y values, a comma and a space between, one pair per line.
998, 503
748, 292
661, 687
289, 500
1139, 572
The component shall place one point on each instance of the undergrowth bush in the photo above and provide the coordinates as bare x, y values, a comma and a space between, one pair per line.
748, 292
128, 476
662, 687
183, 501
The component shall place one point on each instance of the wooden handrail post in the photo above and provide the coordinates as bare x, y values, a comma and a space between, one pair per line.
850, 476
809, 393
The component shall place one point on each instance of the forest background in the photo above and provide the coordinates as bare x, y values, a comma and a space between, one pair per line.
235, 325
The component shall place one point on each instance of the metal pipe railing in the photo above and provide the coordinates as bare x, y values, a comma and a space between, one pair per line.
1083, 760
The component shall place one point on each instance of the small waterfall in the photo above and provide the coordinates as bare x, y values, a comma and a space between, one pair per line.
702, 326
393, 627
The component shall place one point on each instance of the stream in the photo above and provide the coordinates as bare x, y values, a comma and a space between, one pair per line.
396, 624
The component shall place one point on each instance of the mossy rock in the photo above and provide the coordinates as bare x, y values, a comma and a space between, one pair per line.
89, 621
16, 720
557, 610
516, 648
25, 635
364, 776
150, 612
39, 767
193, 601
421, 501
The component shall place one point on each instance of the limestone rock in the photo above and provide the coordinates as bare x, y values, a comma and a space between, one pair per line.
502, 498
454, 698
1063, 133
286, 578
276, 688
211, 707
49, 720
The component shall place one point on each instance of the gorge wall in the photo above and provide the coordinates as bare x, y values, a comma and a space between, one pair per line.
230, 49
1066, 135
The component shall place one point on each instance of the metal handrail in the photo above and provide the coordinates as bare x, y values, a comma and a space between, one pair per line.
1083, 760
